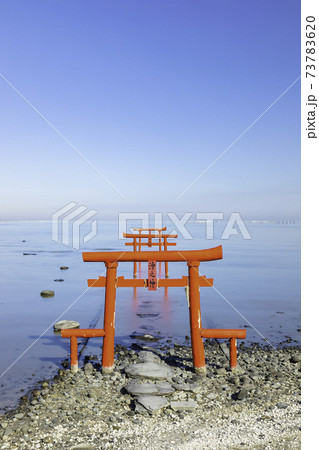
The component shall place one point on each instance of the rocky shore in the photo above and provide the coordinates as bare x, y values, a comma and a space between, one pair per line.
153, 399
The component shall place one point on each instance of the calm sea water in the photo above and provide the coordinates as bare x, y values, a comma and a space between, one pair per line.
258, 284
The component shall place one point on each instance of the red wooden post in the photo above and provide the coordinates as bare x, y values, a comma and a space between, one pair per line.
74, 354
195, 318
109, 318
233, 353
166, 263
135, 263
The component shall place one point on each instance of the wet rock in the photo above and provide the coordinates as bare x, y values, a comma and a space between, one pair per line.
59, 279
149, 370
144, 337
147, 314
150, 403
47, 293
65, 324
183, 405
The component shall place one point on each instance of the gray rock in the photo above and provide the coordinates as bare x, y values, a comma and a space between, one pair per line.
144, 337
146, 357
194, 387
295, 359
233, 380
185, 406
220, 371
281, 405
243, 393
212, 396
134, 388
65, 324
149, 370
150, 403
47, 293
88, 368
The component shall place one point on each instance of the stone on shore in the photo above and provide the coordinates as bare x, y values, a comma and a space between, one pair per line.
243, 393
184, 405
187, 387
147, 357
150, 370
135, 388
150, 403
66, 325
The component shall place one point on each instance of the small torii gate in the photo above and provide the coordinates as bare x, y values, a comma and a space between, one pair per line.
194, 281
149, 234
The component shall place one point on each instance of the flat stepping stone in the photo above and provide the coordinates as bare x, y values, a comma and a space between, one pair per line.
184, 406
144, 337
137, 389
150, 403
150, 370
66, 325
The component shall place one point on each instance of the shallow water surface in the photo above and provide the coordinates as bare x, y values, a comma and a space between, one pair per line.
257, 286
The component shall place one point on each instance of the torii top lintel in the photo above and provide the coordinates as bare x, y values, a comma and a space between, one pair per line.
208, 254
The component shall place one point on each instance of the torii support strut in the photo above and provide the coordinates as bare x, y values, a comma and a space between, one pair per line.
193, 259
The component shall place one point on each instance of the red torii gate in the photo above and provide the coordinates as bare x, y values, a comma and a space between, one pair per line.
137, 242
194, 281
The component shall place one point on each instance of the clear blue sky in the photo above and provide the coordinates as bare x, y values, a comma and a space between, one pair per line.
151, 93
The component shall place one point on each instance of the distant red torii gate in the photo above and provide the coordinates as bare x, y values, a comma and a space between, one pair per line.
150, 234
193, 258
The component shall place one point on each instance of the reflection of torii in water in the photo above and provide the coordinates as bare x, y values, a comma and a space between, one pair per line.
194, 281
